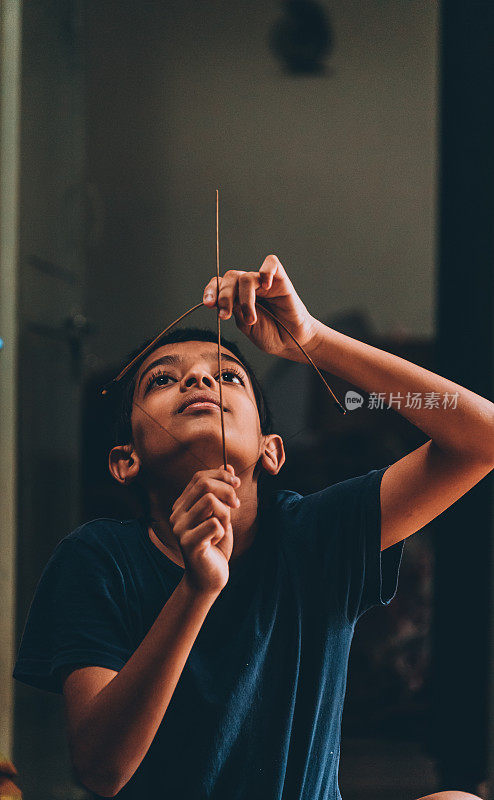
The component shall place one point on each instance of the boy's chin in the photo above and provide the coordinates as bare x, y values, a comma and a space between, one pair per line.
206, 453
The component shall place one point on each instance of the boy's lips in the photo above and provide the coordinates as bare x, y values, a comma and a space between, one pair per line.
202, 398
197, 406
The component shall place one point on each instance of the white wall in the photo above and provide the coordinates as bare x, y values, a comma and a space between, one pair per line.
335, 174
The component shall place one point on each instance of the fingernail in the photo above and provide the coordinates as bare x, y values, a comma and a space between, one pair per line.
223, 313
208, 297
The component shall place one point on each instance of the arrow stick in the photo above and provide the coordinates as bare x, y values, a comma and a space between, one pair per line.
138, 358
219, 326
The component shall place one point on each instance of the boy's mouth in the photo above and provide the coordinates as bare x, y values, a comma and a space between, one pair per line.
200, 400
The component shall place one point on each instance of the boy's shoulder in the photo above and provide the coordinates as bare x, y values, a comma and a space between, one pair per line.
337, 492
291, 504
105, 533
102, 524
283, 498
328, 505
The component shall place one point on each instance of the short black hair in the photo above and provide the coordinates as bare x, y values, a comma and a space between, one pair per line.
126, 387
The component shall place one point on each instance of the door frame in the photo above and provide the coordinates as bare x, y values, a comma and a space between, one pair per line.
10, 85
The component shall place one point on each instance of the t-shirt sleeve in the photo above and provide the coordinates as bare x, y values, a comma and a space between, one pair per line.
347, 516
77, 617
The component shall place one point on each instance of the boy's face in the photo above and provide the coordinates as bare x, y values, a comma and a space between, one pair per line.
170, 433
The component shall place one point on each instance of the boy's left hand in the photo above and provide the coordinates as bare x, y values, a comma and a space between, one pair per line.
238, 293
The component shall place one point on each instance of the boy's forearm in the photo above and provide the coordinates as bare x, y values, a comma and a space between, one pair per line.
123, 718
466, 430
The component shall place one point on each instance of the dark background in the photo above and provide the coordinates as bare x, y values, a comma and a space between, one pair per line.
354, 140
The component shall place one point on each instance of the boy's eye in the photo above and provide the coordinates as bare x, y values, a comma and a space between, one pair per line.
158, 379
229, 374
162, 379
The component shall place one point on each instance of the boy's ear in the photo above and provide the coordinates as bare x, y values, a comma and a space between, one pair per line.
124, 463
273, 454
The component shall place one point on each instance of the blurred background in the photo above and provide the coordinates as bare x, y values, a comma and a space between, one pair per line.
353, 139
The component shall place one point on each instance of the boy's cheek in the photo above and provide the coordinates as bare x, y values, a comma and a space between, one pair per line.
149, 417
145, 438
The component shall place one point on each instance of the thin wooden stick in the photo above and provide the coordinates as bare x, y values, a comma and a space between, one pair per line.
338, 404
219, 327
146, 350
194, 308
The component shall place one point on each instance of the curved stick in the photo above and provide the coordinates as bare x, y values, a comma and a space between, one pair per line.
140, 355
147, 349
279, 322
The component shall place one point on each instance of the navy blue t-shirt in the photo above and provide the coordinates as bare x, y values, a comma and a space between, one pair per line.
257, 710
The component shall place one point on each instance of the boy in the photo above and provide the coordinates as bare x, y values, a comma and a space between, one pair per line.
202, 650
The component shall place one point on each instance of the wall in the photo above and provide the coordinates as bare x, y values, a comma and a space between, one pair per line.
334, 173
10, 84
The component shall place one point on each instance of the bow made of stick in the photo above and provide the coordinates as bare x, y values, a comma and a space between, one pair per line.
152, 345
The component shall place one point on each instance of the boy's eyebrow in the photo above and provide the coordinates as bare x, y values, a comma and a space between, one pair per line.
176, 359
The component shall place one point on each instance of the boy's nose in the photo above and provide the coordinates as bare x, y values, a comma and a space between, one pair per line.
198, 377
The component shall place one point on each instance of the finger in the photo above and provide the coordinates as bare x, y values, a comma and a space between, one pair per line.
220, 481
205, 508
228, 292
270, 266
197, 486
209, 294
239, 320
222, 492
202, 475
247, 285
224, 542
211, 531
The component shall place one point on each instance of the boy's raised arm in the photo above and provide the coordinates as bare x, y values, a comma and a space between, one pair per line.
460, 423
113, 717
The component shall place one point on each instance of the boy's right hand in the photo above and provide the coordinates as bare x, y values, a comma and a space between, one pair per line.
201, 522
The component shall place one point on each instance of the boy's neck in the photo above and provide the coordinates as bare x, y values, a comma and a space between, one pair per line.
244, 524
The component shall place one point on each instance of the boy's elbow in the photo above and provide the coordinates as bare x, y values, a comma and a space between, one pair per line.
98, 772
104, 787
103, 783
